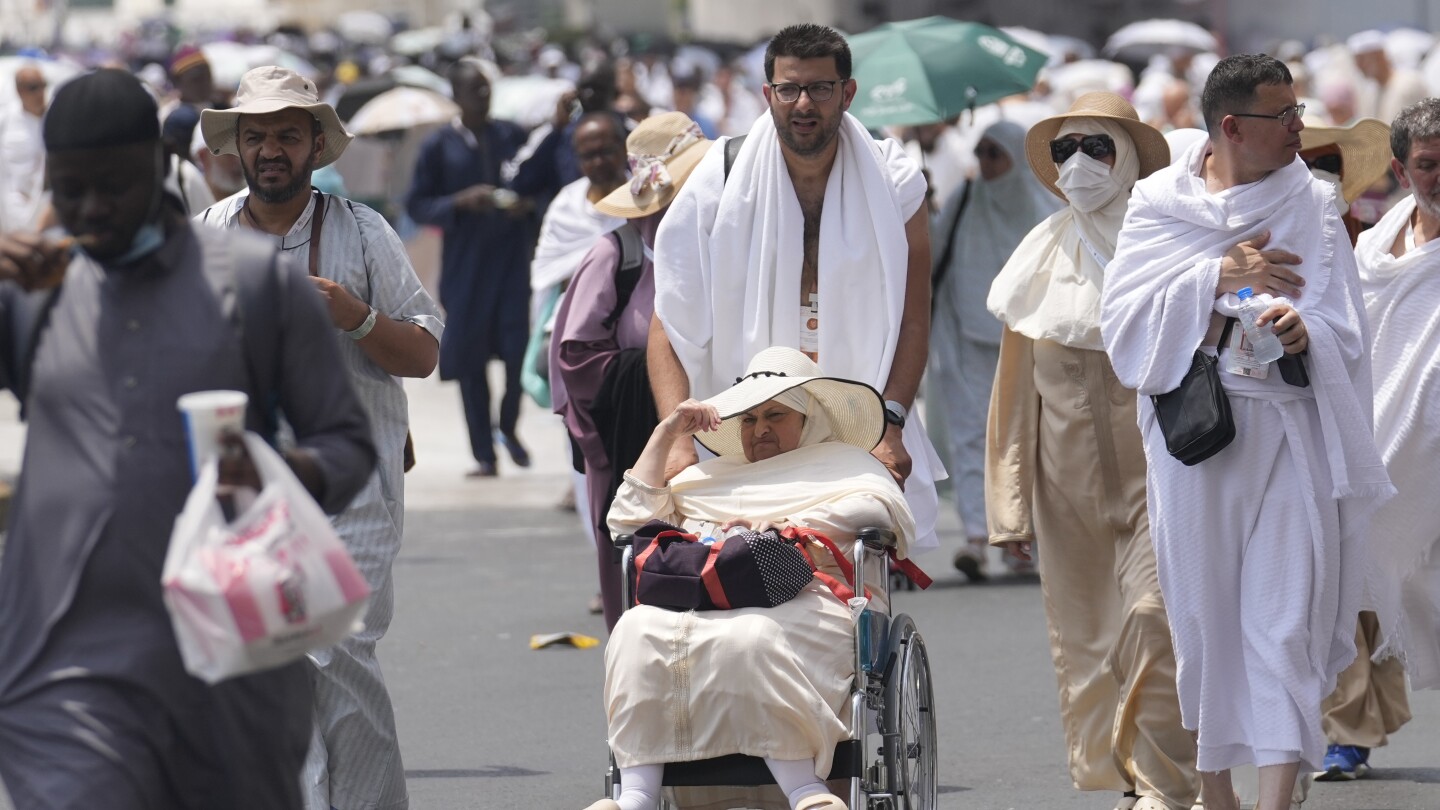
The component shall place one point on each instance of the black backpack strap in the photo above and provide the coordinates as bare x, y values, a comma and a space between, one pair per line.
627, 276
942, 267
732, 151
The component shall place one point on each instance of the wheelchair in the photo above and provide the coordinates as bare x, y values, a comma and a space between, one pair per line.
889, 761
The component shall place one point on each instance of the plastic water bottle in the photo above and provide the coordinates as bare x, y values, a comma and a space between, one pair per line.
1264, 345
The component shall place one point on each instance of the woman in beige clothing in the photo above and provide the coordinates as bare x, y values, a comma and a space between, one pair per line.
793, 449
1065, 468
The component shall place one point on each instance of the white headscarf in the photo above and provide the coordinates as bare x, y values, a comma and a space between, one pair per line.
817, 419
997, 216
1050, 288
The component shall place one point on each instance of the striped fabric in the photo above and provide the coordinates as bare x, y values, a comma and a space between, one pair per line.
354, 760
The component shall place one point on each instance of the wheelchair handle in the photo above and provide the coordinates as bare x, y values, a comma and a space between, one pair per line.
624, 541
874, 538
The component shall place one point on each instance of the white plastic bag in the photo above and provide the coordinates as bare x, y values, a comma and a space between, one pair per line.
264, 589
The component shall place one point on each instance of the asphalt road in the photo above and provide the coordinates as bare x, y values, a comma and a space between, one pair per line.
486, 722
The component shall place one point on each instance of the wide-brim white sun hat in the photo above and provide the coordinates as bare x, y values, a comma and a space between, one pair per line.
856, 411
271, 89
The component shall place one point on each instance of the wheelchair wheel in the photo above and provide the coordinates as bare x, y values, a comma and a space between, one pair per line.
909, 719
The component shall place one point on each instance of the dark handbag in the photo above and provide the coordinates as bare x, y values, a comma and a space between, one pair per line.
1195, 418
675, 571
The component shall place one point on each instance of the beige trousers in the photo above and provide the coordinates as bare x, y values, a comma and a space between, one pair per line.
1369, 701
1065, 457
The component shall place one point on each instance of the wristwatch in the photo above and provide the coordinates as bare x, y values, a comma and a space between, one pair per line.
365, 326
894, 413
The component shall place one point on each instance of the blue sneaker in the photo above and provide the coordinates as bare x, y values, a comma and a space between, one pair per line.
1343, 763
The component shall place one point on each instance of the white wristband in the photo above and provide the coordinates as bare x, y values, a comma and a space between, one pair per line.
364, 328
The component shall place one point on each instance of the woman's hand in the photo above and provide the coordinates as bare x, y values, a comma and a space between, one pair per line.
1019, 549
688, 418
758, 526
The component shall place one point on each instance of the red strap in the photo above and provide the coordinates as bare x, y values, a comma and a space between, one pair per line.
843, 592
912, 571
711, 577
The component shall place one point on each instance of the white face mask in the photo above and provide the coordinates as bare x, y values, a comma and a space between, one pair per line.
1334, 180
1087, 183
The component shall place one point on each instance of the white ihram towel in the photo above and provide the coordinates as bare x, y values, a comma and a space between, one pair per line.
1164, 285
728, 259
571, 226
1402, 300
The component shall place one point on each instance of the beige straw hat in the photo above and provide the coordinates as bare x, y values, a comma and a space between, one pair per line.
856, 411
663, 149
1364, 152
1150, 145
272, 89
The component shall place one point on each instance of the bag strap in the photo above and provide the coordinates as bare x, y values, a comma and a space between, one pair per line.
946, 255
710, 577
843, 591
649, 551
627, 277
317, 224
732, 151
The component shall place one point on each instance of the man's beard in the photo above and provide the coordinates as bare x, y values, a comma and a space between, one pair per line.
823, 135
298, 180
1428, 205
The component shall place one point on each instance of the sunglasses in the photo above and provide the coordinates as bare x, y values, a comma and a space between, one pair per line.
31, 87
1098, 147
1325, 163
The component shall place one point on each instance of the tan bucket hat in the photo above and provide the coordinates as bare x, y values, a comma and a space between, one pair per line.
272, 89
663, 150
856, 411
1150, 145
1364, 152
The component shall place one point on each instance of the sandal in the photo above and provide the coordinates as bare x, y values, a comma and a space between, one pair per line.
821, 801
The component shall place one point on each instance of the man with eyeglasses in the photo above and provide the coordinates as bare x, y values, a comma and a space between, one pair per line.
811, 235
1261, 546
22, 154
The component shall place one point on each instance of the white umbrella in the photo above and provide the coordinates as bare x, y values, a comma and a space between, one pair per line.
1139, 41
527, 100
230, 60
417, 76
400, 109
417, 40
367, 27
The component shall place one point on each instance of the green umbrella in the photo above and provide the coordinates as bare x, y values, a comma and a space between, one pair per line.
928, 70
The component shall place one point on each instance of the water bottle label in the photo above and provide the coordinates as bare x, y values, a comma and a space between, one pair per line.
1240, 357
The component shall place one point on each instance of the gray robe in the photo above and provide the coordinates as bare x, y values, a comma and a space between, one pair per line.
90, 675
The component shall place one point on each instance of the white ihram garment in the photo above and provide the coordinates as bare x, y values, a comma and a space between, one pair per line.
569, 230
1261, 547
727, 272
1402, 300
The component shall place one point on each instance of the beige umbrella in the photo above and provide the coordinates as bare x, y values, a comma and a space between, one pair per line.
400, 109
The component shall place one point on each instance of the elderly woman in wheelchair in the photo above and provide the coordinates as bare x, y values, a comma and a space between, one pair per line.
773, 682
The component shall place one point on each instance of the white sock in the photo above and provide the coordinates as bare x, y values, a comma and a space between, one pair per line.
796, 778
640, 787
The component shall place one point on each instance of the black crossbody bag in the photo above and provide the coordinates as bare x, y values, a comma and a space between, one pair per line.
1195, 418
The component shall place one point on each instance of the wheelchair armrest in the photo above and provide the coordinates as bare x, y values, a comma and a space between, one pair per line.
876, 539
624, 541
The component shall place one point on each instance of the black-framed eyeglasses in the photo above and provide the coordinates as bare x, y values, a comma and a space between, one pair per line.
1286, 117
1325, 163
789, 93
1096, 146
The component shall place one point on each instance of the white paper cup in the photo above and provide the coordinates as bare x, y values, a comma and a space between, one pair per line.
209, 415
